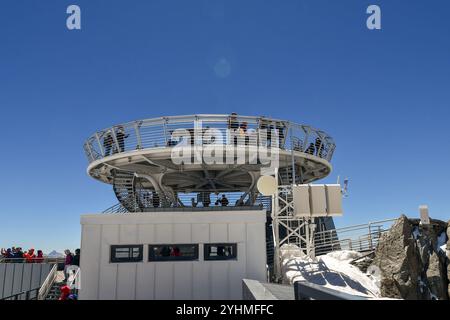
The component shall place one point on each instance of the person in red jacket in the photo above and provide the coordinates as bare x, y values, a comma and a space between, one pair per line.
65, 292
29, 256
40, 257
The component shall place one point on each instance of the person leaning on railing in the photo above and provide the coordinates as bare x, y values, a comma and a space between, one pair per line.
6, 254
29, 256
40, 257
121, 136
13, 254
107, 143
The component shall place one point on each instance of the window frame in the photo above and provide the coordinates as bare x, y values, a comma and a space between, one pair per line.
153, 258
112, 253
206, 250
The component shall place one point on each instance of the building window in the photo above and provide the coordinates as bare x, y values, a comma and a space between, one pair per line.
173, 252
126, 253
220, 251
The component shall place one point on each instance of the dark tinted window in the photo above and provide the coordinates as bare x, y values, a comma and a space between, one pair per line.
221, 251
126, 253
173, 252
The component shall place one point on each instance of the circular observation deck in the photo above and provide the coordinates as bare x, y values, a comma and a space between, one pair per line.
141, 159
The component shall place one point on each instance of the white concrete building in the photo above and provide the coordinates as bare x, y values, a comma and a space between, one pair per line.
172, 255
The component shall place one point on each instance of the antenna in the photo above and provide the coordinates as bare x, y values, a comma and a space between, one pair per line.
345, 188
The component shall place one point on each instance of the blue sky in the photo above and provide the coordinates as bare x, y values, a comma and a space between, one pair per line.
383, 95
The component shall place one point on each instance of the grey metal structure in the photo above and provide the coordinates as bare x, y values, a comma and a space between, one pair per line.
305, 290
135, 158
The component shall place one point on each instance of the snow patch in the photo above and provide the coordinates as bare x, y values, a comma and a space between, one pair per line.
332, 270
416, 233
442, 241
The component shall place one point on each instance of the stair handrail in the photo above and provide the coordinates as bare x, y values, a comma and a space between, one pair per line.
74, 280
48, 283
27, 294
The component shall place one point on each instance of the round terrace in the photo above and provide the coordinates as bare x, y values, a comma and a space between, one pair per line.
149, 164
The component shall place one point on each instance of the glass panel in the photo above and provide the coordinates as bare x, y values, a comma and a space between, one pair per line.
171, 252
225, 251
126, 253
122, 253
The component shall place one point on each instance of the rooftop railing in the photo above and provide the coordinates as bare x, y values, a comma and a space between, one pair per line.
157, 133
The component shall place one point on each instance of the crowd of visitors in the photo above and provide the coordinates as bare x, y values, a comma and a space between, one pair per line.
114, 139
110, 139
70, 260
17, 254
205, 199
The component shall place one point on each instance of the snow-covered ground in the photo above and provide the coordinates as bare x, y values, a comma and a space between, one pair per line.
332, 270
442, 242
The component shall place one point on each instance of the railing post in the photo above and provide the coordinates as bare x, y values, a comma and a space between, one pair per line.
165, 130
113, 133
91, 155
137, 127
100, 144
305, 142
370, 238
292, 154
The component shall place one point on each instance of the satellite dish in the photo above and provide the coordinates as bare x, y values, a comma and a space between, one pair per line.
267, 185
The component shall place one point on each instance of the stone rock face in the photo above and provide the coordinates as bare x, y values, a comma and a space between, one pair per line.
411, 263
448, 256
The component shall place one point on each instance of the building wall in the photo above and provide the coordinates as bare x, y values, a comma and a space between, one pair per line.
20, 277
101, 279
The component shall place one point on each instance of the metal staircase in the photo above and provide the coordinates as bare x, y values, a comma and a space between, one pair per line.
270, 250
123, 186
55, 291
285, 175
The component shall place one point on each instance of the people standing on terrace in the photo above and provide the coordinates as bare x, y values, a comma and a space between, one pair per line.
107, 143
40, 257
233, 122
170, 141
222, 201
233, 128
76, 258
67, 262
319, 147
243, 132
29, 256
16, 255
311, 149
265, 131
121, 136
7, 254
280, 126
155, 199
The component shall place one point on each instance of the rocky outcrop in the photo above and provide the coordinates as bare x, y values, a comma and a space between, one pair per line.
411, 263
448, 256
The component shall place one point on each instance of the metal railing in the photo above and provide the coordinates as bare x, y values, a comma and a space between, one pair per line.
157, 133
34, 260
187, 198
48, 283
74, 281
24, 295
361, 238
